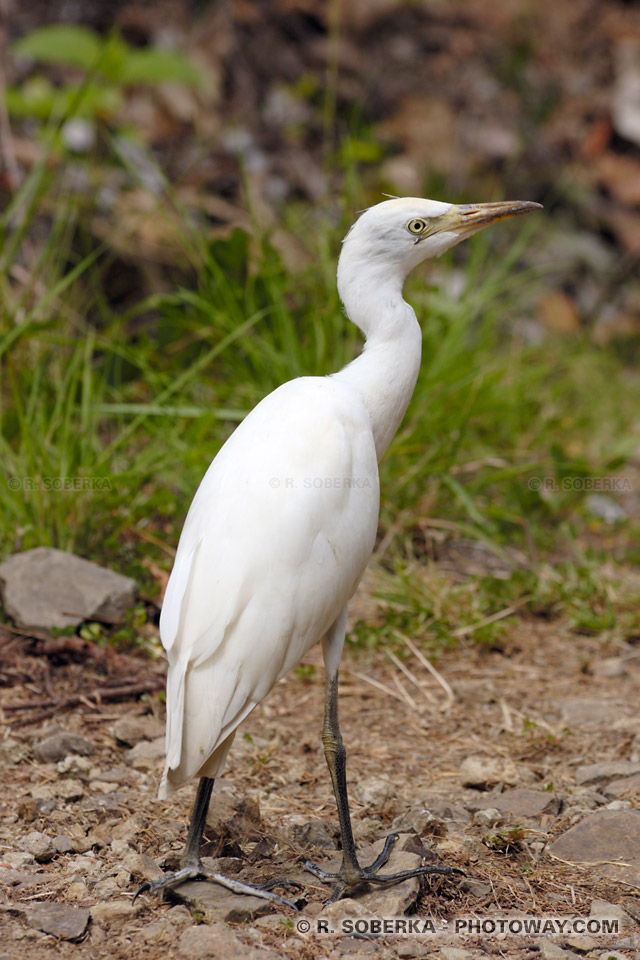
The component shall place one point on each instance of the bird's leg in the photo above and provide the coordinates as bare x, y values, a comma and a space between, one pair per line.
351, 876
192, 867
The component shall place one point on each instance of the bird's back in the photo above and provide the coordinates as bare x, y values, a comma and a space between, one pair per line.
275, 542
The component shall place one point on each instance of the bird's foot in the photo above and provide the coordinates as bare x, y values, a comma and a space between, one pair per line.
198, 871
349, 880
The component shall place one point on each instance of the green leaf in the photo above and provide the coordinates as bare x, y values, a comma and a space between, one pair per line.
158, 66
66, 44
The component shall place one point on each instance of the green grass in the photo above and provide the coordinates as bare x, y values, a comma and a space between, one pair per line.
110, 418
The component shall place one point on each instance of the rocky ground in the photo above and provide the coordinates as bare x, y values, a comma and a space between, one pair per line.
520, 766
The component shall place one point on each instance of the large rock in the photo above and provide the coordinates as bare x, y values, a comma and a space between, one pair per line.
46, 588
601, 839
67, 923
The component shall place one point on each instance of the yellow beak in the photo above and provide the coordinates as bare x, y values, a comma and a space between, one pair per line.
467, 218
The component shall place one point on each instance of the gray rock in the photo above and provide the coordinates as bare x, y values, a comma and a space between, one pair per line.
114, 912
602, 909
375, 793
12, 751
39, 845
602, 837
591, 712
147, 754
131, 730
551, 951
487, 771
596, 772
59, 745
475, 887
218, 903
521, 802
216, 941
45, 588
68, 923
488, 817
70, 790
63, 844
318, 833
457, 953
624, 787
583, 943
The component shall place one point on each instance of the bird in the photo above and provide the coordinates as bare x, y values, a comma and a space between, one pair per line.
283, 525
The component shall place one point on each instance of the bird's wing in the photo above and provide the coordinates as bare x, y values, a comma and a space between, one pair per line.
276, 540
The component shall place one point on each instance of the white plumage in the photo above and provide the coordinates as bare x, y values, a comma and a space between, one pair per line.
284, 522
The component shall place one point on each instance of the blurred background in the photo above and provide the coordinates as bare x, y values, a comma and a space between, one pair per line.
176, 178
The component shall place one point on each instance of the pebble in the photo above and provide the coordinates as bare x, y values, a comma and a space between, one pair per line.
116, 910
39, 845
147, 754
217, 940
488, 817
485, 772
70, 790
68, 923
374, 792
475, 887
521, 802
58, 746
595, 772
602, 909
132, 730
62, 843
317, 833
551, 951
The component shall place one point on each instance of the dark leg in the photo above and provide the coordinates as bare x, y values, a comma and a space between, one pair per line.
352, 875
192, 867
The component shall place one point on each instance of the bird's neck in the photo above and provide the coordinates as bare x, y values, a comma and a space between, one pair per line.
385, 373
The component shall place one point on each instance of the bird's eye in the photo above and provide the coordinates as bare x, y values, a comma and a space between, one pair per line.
416, 226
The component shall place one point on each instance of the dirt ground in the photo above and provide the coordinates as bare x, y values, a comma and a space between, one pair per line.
543, 705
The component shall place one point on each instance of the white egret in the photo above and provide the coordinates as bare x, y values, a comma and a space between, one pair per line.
284, 522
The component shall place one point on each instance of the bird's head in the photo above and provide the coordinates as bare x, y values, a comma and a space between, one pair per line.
395, 236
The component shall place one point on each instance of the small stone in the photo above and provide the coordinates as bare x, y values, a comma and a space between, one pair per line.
582, 943
179, 915
625, 787
45, 588
475, 887
602, 910
609, 668
39, 845
59, 920
374, 792
132, 730
317, 833
58, 746
62, 843
551, 951
70, 790
410, 949
18, 859
120, 848
141, 866
484, 772
520, 802
456, 953
12, 752
216, 941
147, 754
115, 911
77, 890
488, 817
597, 772
74, 764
